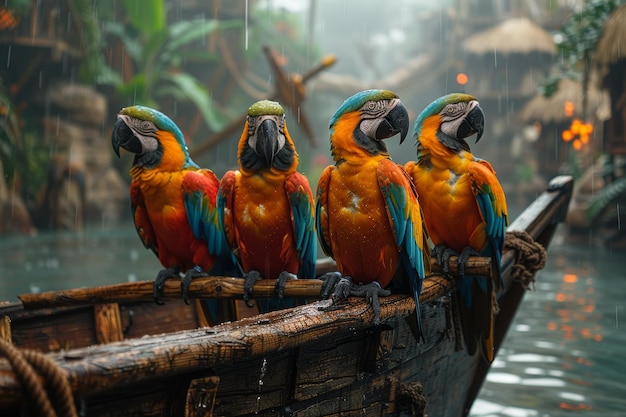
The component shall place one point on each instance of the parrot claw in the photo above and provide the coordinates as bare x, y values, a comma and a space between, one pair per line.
159, 283
371, 292
279, 286
250, 278
186, 281
443, 253
330, 280
464, 256
342, 289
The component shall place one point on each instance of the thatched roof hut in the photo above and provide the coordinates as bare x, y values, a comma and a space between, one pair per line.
611, 46
517, 35
508, 60
551, 109
610, 59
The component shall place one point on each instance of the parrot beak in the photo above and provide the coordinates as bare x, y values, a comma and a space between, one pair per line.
396, 121
474, 122
123, 137
268, 142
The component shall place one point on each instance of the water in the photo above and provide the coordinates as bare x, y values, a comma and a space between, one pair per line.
57, 261
563, 356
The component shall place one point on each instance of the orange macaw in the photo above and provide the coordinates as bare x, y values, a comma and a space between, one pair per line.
368, 216
463, 204
266, 207
173, 200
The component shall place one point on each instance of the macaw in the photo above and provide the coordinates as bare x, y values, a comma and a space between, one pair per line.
173, 200
266, 206
367, 211
463, 204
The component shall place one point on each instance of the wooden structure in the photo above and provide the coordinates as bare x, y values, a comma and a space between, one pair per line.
611, 62
555, 114
299, 362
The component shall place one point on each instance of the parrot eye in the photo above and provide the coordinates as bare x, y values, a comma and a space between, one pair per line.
376, 109
142, 127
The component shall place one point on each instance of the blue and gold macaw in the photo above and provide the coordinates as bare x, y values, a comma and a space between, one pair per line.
368, 216
266, 207
463, 204
173, 200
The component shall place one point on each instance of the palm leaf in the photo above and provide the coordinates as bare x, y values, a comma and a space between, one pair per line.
611, 194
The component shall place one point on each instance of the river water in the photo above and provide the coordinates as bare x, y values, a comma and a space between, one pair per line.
564, 355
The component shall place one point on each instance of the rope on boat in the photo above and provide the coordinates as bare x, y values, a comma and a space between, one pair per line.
30, 368
530, 257
411, 399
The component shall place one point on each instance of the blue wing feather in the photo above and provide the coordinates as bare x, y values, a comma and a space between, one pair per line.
403, 223
304, 229
204, 221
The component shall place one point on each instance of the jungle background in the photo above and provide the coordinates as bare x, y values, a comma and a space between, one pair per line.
550, 76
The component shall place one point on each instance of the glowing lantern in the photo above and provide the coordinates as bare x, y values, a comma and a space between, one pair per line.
568, 108
578, 133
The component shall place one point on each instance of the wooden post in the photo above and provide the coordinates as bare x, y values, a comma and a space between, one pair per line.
201, 396
5, 329
108, 323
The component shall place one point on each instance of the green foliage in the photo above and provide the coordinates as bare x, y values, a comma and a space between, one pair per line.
579, 36
24, 160
612, 194
158, 52
599, 208
18, 7
581, 32
10, 142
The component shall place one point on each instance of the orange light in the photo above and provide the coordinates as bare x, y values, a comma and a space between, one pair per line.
567, 135
570, 278
568, 109
461, 78
577, 145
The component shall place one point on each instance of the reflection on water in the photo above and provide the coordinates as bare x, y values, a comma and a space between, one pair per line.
70, 260
563, 355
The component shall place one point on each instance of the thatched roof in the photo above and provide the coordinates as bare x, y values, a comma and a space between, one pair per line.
518, 35
551, 109
611, 46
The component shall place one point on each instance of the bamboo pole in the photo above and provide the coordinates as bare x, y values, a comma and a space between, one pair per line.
204, 287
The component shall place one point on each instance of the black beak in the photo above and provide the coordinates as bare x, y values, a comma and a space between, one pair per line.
267, 140
396, 121
474, 122
123, 137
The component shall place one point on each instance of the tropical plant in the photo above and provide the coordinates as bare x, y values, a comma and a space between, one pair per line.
600, 208
158, 51
578, 38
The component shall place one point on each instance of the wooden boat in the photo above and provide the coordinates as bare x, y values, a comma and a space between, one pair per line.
113, 351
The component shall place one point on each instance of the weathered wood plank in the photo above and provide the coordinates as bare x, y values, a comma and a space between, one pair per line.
204, 287
108, 323
5, 329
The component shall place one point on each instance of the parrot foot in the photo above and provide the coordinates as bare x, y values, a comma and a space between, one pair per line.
338, 292
443, 253
159, 282
329, 282
194, 272
279, 286
342, 290
465, 254
250, 278
371, 292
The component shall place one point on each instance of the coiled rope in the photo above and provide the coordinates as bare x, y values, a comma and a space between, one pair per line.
41, 379
530, 257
